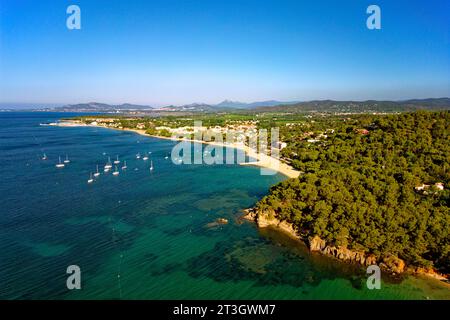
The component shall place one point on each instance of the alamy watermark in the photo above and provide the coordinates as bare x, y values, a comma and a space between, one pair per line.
373, 22
74, 280
374, 278
73, 21
221, 146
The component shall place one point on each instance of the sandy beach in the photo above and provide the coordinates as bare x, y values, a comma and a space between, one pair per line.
262, 160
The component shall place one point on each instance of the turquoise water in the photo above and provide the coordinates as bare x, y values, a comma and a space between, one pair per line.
153, 229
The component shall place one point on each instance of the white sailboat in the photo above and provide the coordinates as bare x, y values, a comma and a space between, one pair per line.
60, 164
124, 165
117, 161
97, 173
44, 157
90, 179
151, 165
108, 164
67, 159
145, 158
138, 156
116, 172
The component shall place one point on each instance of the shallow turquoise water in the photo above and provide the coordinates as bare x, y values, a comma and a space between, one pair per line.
149, 228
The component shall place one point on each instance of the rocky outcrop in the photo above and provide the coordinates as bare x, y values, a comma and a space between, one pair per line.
342, 253
389, 262
316, 244
429, 272
264, 221
393, 264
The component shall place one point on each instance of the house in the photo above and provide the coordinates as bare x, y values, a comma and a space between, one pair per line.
438, 185
362, 131
422, 187
281, 145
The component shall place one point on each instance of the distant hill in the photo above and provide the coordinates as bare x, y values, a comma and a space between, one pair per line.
243, 105
193, 107
100, 107
360, 106
272, 106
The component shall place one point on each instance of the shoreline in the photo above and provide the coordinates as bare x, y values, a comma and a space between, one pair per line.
262, 160
287, 229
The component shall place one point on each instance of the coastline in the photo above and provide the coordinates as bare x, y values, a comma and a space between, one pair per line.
315, 244
262, 160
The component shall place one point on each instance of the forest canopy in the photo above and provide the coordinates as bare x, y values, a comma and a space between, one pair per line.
361, 182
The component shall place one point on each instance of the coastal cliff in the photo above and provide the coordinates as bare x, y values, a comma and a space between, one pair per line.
388, 263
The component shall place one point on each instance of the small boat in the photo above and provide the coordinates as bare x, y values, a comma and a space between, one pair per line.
116, 172
166, 157
124, 165
44, 157
117, 161
151, 165
145, 158
90, 179
60, 164
138, 156
108, 164
67, 159
97, 173
106, 170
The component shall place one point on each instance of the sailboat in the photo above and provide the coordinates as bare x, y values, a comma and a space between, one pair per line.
60, 164
44, 157
67, 159
151, 165
124, 165
116, 172
108, 164
117, 161
90, 179
97, 173
138, 156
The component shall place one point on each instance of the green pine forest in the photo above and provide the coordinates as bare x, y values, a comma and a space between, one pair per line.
358, 184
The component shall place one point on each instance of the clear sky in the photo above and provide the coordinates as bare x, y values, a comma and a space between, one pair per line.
183, 51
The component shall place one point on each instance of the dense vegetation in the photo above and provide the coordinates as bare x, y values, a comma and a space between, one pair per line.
358, 186
360, 106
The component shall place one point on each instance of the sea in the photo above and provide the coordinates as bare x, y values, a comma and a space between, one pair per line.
150, 234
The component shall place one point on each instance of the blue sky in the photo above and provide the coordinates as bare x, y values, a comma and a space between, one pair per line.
175, 52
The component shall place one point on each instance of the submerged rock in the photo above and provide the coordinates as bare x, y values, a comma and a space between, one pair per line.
222, 221
218, 222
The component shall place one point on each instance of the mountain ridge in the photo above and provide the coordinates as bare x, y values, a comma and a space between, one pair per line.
269, 106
